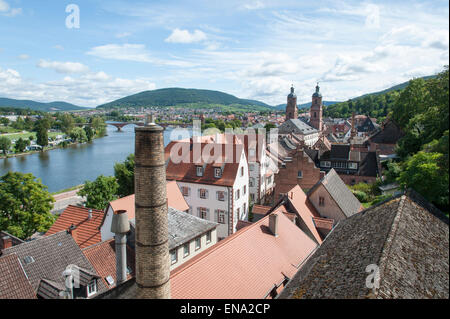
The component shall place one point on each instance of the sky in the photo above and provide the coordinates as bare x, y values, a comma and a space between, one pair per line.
253, 49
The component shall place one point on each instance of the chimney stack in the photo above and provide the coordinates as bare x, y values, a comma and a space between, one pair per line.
73, 231
273, 224
120, 226
90, 214
6, 242
152, 239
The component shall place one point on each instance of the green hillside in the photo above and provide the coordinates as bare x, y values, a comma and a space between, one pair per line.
179, 97
377, 104
282, 107
38, 106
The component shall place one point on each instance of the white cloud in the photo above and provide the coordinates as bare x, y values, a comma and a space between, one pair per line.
58, 47
254, 5
184, 36
24, 57
6, 10
63, 67
125, 52
90, 89
123, 35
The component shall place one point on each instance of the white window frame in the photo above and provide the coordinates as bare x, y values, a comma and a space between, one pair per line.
188, 248
174, 252
299, 174
221, 216
199, 170
205, 193
352, 165
92, 288
198, 243
217, 172
208, 237
219, 198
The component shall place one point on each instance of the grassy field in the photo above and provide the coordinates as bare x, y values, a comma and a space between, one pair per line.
16, 136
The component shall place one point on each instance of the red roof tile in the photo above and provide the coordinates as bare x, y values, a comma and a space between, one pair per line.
87, 230
259, 209
103, 257
175, 199
245, 265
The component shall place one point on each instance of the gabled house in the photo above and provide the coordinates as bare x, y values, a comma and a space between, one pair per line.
213, 178
386, 139
253, 263
45, 259
307, 133
332, 199
175, 200
397, 249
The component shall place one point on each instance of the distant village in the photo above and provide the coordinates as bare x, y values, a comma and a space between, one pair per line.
279, 221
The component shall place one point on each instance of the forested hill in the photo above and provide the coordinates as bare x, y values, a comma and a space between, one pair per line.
377, 104
38, 106
182, 97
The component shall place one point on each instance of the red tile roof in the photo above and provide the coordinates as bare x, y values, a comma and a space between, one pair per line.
245, 265
242, 224
103, 257
175, 199
14, 283
305, 209
324, 223
259, 209
87, 230
185, 170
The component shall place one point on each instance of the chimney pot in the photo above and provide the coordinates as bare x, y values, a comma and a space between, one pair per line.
90, 214
6, 242
121, 226
273, 224
120, 223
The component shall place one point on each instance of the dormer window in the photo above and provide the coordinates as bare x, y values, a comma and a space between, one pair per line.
92, 288
217, 172
199, 171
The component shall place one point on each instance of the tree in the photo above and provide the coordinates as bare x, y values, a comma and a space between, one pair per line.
21, 144
423, 173
25, 205
5, 144
42, 136
89, 133
124, 173
78, 134
100, 192
4, 121
67, 123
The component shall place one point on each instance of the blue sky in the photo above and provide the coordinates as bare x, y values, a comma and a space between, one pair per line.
250, 48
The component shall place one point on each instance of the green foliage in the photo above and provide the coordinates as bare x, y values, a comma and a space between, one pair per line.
25, 205
21, 144
5, 144
361, 196
89, 133
67, 123
423, 173
124, 173
42, 136
100, 192
392, 173
78, 135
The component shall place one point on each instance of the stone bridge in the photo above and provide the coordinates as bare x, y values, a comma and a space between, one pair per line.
120, 125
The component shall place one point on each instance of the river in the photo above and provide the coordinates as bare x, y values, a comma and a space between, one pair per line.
66, 167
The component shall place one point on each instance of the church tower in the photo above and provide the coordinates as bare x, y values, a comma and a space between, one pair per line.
291, 107
316, 110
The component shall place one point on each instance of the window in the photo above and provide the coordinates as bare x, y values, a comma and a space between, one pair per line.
325, 163
251, 152
185, 190
244, 209
199, 171
173, 256
252, 197
353, 165
269, 180
244, 190
203, 193
238, 194
198, 243
339, 164
203, 212
217, 172
299, 174
251, 167
242, 171
220, 196
321, 201
208, 237
186, 250
238, 213
251, 182
92, 288
221, 216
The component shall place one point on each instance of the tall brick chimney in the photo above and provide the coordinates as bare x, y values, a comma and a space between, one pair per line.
152, 240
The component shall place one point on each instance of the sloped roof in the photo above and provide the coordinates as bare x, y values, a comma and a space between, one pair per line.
296, 126
175, 199
184, 227
186, 171
51, 255
103, 257
340, 193
406, 237
244, 265
13, 280
88, 230
389, 134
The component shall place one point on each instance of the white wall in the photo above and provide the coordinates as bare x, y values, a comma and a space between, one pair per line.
105, 230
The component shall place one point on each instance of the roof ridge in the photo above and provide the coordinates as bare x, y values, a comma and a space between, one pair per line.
213, 248
97, 244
